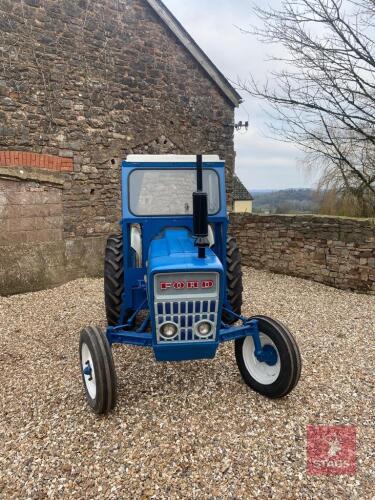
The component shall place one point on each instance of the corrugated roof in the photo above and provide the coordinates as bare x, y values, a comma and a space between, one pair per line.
239, 190
205, 62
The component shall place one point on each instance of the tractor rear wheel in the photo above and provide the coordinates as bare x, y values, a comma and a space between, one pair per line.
114, 279
234, 280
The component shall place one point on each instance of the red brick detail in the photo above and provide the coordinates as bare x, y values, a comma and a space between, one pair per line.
35, 160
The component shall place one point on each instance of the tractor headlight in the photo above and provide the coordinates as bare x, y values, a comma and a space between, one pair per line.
168, 330
204, 328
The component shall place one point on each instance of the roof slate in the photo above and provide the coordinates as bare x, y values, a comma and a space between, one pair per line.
239, 190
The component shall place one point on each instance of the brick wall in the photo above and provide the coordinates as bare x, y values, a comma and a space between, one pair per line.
31, 209
10, 158
29, 212
336, 251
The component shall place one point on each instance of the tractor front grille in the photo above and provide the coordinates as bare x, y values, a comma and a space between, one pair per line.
186, 310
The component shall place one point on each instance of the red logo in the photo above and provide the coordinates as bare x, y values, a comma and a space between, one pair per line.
164, 285
180, 285
193, 284
331, 449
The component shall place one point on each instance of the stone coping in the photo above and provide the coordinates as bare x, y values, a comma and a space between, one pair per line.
32, 174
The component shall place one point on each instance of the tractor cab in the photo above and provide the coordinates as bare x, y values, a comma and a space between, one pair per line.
159, 192
173, 281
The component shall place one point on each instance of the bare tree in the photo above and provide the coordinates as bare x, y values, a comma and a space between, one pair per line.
324, 99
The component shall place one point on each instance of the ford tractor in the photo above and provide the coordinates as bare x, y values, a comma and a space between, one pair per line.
173, 282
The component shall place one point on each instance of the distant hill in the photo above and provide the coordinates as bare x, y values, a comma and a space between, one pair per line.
285, 201
264, 190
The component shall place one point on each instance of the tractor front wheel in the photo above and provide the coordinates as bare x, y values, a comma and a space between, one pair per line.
279, 373
98, 370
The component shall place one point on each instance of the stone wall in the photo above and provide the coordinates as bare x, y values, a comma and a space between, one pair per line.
94, 81
336, 251
88, 82
35, 266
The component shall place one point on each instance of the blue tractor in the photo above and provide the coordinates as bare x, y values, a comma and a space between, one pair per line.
173, 282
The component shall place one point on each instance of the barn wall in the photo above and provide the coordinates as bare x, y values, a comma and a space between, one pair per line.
335, 251
89, 83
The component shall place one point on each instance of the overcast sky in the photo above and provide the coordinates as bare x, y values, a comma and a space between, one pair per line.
261, 163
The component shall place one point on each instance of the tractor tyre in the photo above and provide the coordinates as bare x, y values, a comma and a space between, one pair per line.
98, 370
114, 279
234, 280
278, 376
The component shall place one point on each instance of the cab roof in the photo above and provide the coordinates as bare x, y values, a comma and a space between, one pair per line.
172, 159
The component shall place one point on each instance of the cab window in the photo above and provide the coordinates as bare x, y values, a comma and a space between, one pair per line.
170, 192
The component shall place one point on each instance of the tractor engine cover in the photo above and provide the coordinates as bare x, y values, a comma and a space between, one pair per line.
186, 295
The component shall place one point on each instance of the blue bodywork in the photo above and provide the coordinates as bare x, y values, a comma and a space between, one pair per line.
175, 253
168, 247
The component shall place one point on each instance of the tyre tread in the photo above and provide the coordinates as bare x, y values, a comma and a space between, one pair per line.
105, 372
234, 279
294, 357
114, 279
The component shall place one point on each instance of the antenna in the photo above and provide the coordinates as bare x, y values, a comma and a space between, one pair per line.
239, 125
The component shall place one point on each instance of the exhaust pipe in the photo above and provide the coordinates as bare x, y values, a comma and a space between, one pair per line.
200, 213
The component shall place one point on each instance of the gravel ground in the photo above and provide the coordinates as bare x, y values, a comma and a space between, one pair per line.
182, 430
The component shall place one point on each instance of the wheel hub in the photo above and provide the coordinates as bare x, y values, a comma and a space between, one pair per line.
262, 361
268, 355
87, 371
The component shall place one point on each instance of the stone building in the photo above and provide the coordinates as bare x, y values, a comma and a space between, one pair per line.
82, 84
242, 201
